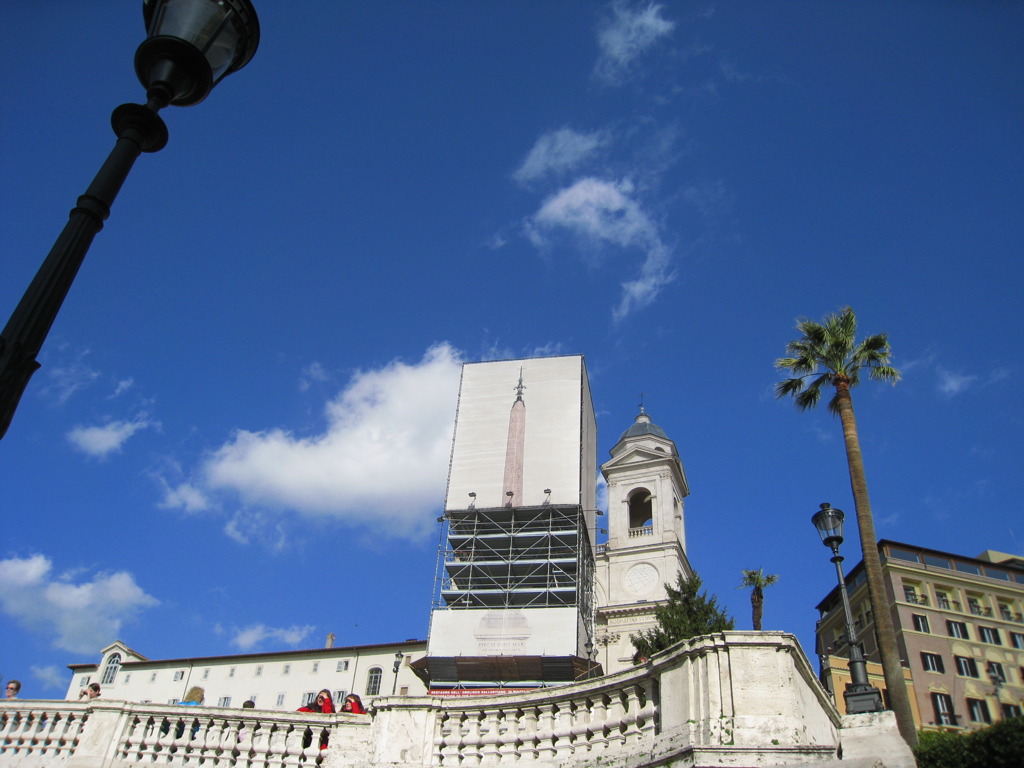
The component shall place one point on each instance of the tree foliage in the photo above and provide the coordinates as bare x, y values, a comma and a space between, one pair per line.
999, 746
688, 613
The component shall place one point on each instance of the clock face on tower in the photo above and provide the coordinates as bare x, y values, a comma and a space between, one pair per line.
640, 579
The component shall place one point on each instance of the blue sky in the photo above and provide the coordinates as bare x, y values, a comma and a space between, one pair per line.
239, 437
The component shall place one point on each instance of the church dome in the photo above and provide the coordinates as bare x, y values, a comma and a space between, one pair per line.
642, 425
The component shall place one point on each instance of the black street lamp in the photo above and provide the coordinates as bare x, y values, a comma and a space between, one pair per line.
399, 657
191, 46
860, 695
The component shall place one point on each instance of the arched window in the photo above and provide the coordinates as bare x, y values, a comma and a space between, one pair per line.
373, 681
110, 670
640, 509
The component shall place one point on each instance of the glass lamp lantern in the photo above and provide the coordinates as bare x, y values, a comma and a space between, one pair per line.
829, 523
192, 45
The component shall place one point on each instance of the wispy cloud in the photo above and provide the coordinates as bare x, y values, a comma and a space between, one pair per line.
63, 381
950, 383
122, 386
600, 212
630, 31
256, 634
80, 616
184, 496
314, 373
385, 447
52, 677
101, 441
557, 152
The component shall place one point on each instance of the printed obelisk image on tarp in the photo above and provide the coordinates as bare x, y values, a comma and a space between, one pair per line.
514, 604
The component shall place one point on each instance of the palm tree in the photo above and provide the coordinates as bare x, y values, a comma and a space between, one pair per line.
757, 581
832, 347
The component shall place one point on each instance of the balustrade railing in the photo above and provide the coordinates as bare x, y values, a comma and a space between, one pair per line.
725, 695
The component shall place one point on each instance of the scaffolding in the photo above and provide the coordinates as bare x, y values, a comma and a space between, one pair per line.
516, 557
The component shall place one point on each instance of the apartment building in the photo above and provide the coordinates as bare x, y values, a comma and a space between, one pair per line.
960, 630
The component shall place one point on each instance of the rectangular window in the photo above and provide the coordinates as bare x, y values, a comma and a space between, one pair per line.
259, 670
231, 672
126, 678
942, 600
280, 700
932, 662
938, 562
1010, 710
910, 594
1005, 612
403, 691
179, 675
339, 697
943, 706
152, 678
903, 554
957, 629
287, 669
172, 701
206, 674
85, 681
342, 666
224, 701
996, 573
974, 606
990, 635
316, 667
996, 672
978, 711
966, 666
1016, 639
921, 623
968, 567
308, 698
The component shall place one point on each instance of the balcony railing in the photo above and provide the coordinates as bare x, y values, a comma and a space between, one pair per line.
681, 704
646, 530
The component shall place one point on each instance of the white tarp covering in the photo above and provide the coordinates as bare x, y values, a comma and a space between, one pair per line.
560, 441
504, 632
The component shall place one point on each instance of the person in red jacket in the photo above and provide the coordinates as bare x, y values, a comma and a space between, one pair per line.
353, 705
322, 703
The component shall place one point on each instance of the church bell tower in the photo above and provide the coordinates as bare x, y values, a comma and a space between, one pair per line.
646, 545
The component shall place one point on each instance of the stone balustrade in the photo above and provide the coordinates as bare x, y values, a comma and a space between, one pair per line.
731, 699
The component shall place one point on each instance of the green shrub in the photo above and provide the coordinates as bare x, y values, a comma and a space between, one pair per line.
999, 746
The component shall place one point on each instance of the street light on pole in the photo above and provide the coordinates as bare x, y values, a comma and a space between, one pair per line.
860, 695
191, 46
399, 657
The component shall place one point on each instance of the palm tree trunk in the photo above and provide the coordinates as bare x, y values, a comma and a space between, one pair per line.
884, 630
757, 606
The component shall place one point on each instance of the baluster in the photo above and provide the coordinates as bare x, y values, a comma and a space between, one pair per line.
582, 726
292, 747
489, 737
617, 719
441, 730
648, 715
268, 743
545, 732
510, 737
228, 743
599, 724
528, 734
632, 731
563, 729
471, 740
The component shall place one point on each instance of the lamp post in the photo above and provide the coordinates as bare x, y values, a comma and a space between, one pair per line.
191, 46
398, 663
860, 695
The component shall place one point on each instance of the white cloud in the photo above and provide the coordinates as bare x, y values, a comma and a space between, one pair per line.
184, 496
81, 617
599, 211
629, 33
51, 677
122, 386
312, 373
101, 441
64, 380
557, 152
248, 638
951, 384
381, 461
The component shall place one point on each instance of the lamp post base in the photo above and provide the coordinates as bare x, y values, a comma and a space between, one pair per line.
862, 698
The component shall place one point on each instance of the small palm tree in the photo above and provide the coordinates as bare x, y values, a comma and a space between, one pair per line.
832, 347
757, 581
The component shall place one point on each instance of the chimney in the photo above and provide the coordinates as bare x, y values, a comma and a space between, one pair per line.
330, 640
